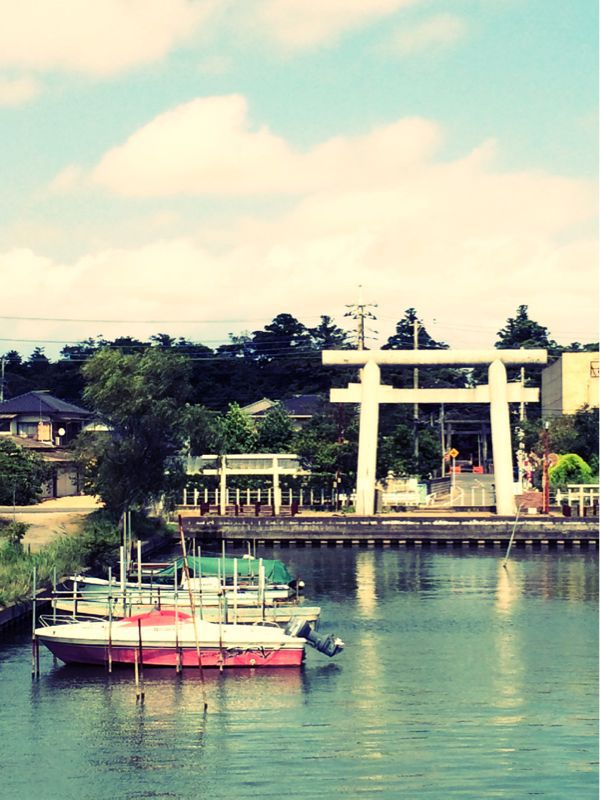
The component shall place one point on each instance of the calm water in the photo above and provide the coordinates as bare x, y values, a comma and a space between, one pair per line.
460, 679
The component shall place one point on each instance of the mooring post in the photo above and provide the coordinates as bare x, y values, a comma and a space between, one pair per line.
35, 653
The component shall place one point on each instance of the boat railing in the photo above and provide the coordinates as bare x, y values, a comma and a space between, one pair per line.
49, 620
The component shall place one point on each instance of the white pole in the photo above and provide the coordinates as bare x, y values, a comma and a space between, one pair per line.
367, 439
223, 487
139, 562
501, 440
276, 489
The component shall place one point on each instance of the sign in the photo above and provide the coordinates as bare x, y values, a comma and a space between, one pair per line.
453, 453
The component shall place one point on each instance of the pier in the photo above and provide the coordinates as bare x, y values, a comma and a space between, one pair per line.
390, 530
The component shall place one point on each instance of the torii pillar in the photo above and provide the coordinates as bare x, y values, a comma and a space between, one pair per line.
370, 392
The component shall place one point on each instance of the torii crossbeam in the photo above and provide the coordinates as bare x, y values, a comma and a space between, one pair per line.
370, 392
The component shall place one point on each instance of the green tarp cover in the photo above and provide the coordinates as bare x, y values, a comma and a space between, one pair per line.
275, 571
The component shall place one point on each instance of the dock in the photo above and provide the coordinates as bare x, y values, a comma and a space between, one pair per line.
448, 530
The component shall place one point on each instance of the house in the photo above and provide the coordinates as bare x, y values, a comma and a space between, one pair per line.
300, 408
570, 383
43, 423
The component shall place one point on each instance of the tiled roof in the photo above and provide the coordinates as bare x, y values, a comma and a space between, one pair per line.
303, 405
38, 402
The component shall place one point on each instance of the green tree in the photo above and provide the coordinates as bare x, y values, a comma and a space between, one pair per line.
283, 336
141, 397
275, 431
238, 434
203, 429
521, 331
328, 447
329, 336
22, 475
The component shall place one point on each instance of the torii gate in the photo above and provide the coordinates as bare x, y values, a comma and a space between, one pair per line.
370, 392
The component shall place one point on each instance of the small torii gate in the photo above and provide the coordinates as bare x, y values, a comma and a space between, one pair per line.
370, 392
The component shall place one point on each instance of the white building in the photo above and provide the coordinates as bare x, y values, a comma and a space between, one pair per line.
570, 383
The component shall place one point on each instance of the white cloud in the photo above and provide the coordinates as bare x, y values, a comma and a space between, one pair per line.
68, 180
460, 240
95, 38
208, 146
18, 91
442, 29
298, 24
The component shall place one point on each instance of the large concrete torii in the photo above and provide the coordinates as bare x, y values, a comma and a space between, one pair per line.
370, 392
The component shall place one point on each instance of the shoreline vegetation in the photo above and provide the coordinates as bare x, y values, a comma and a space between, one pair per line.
95, 546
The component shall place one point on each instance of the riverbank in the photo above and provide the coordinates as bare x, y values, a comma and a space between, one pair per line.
52, 519
93, 543
456, 528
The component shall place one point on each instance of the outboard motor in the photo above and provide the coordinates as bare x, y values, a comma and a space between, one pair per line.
297, 585
329, 645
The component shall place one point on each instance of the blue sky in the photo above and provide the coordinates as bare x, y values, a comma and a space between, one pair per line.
228, 160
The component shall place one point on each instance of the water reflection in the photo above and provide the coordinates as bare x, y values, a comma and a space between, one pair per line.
459, 678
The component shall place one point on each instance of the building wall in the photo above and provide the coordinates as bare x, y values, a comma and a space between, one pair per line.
570, 383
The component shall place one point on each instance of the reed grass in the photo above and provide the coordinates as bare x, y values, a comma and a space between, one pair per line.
94, 547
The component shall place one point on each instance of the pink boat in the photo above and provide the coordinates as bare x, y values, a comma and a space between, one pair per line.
169, 638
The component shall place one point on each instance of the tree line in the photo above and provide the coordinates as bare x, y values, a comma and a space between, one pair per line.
161, 396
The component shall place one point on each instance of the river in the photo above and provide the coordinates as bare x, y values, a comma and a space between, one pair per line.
460, 679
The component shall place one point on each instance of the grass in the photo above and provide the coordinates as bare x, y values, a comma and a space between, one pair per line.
95, 546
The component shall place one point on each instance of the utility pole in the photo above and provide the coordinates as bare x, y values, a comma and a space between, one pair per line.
416, 386
360, 312
545, 475
522, 404
3, 361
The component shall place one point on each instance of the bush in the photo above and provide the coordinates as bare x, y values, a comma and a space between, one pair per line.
95, 547
570, 468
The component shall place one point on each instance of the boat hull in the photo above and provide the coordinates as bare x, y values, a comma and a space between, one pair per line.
167, 656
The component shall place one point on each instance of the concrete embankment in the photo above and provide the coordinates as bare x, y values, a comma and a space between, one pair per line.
470, 530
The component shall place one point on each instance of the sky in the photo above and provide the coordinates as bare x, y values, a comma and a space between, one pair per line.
195, 167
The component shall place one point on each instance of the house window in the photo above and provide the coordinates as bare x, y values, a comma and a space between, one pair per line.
28, 429
5, 425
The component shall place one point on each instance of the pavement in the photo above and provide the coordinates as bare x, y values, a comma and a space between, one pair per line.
51, 519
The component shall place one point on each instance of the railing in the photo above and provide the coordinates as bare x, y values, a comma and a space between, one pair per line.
584, 495
305, 498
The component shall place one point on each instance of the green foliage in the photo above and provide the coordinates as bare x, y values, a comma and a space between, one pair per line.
22, 474
570, 433
142, 398
238, 434
521, 331
396, 452
275, 431
571, 468
203, 429
328, 447
96, 547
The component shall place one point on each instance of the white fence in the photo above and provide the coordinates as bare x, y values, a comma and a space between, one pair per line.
304, 497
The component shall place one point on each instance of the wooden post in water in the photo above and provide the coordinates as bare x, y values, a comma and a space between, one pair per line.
177, 647
193, 610
235, 590
35, 649
109, 653
54, 596
512, 536
261, 588
141, 663
74, 612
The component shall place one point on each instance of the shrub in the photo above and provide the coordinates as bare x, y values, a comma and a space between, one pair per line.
570, 468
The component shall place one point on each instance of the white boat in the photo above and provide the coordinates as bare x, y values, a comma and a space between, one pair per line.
97, 596
170, 638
